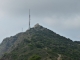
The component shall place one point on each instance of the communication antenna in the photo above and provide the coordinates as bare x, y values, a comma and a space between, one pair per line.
29, 18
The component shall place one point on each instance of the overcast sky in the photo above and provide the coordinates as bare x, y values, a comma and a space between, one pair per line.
60, 16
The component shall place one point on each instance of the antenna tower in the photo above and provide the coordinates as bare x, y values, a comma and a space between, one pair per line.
29, 18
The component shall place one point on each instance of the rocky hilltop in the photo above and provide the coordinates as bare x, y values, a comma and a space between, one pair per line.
39, 43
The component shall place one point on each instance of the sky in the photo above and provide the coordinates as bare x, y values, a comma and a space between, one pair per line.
60, 16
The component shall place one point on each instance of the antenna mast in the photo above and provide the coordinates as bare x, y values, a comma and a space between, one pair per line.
29, 18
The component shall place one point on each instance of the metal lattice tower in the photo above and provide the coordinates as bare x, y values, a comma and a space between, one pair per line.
29, 18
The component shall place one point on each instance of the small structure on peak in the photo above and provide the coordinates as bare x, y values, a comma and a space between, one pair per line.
37, 25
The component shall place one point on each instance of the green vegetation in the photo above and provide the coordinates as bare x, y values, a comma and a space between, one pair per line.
40, 43
35, 57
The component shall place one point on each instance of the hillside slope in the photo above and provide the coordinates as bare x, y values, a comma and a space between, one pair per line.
39, 43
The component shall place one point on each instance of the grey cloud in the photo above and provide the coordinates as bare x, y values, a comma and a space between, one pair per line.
43, 7
59, 15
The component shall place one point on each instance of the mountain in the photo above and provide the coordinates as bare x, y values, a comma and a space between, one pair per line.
39, 43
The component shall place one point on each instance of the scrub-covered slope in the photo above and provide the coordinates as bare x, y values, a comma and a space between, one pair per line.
39, 43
